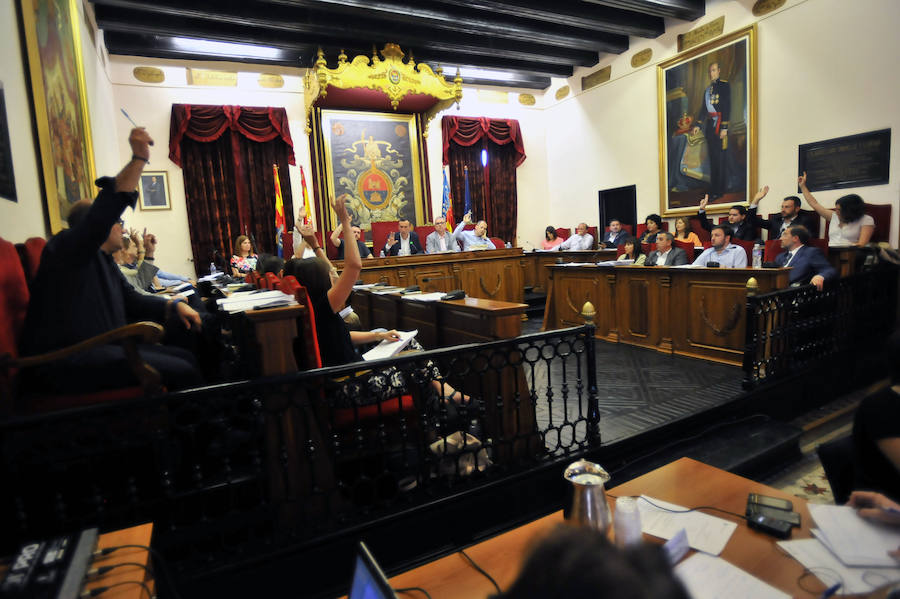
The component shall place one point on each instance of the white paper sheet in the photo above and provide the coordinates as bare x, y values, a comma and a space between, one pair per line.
816, 558
425, 297
854, 540
386, 348
705, 533
708, 577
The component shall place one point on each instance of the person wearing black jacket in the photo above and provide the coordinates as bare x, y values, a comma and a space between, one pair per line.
741, 226
790, 215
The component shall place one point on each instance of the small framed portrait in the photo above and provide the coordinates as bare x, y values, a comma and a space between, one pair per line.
154, 191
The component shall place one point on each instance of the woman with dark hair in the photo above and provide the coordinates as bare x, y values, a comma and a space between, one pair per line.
683, 232
654, 224
633, 252
551, 239
328, 296
849, 223
244, 258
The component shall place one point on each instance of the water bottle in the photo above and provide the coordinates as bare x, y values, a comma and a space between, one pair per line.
212, 268
508, 245
757, 255
381, 254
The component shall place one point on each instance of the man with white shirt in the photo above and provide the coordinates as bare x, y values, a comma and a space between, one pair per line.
723, 252
665, 254
615, 236
807, 263
441, 240
404, 243
473, 240
581, 240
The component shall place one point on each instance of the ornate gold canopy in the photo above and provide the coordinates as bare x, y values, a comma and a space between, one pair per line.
402, 82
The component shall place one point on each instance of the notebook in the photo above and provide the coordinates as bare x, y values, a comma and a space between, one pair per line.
369, 582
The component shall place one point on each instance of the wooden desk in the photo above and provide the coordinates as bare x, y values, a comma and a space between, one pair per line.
685, 482
490, 274
538, 277
693, 312
441, 324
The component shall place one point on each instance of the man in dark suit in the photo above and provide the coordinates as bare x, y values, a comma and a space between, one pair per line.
807, 263
615, 236
741, 226
713, 120
790, 215
403, 243
665, 254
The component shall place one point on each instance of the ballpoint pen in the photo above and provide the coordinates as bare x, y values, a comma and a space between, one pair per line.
831, 591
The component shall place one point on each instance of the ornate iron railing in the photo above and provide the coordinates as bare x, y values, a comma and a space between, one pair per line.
794, 329
247, 469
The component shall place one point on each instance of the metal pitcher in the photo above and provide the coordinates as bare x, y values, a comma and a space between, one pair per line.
589, 507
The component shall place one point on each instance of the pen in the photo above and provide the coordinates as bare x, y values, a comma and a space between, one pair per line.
830, 591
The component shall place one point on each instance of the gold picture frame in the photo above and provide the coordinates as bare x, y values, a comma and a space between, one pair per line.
707, 100
376, 158
154, 191
56, 71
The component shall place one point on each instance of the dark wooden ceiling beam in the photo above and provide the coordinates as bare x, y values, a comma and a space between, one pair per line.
353, 32
573, 13
685, 10
433, 15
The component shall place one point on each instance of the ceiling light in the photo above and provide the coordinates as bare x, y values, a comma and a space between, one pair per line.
225, 48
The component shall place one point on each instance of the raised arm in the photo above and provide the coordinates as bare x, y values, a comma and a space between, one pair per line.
341, 289
336, 235
704, 221
813, 202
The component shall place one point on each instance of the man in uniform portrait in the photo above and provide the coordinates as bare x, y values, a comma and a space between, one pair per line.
713, 121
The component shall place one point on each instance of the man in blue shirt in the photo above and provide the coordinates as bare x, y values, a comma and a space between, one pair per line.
722, 251
473, 240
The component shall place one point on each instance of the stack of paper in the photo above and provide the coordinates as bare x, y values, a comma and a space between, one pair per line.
386, 348
425, 297
704, 532
249, 300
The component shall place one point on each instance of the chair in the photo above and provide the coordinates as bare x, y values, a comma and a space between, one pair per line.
563, 232
273, 281
14, 297
687, 247
697, 227
620, 249
498, 243
331, 252
748, 247
30, 256
643, 227
593, 233
423, 231
380, 232
773, 248
646, 248
881, 214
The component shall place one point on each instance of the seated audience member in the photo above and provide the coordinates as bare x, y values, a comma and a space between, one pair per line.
404, 242
441, 240
723, 252
474, 240
665, 254
615, 236
357, 234
789, 216
877, 507
574, 562
581, 240
807, 263
136, 264
654, 224
741, 226
876, 433
683, 232
301, 248
146, 246
328, 297
77, 267
633, 252
270, 263
849, 223
244, 259
551, 239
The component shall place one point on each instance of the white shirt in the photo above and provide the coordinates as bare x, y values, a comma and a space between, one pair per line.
733, 256
578, 242
847, 234
661, 259
404, 246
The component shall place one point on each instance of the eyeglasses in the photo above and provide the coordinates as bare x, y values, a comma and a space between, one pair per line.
121, 222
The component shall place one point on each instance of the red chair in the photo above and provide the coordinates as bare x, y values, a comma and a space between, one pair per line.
563, 232
380, 232
643, 227
773, 248
646, 248
748, 247
593, 232
881, 214
273, 281
498, 243
688, 248
697, 227
423, 231
620, 249
14, 297
331, 252
30, 255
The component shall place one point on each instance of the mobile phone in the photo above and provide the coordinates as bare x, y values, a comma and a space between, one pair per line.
754, 509
770, 526
773, 502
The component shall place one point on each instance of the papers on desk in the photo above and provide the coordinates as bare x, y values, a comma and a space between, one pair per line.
364, 286
816, 558
615, 262
854, 540
705, 533
385, 290
577, 264
386, 348
689, 266
708, 577
250, 300
425, 297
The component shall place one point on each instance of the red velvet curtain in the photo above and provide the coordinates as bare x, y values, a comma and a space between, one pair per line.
227, 153
492, 189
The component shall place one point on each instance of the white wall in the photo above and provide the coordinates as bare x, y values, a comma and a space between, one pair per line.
825, 70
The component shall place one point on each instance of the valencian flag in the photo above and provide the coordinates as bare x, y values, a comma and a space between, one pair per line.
279, 214
447, 205
308, 219
468, 197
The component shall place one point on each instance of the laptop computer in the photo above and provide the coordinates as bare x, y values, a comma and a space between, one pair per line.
369, 582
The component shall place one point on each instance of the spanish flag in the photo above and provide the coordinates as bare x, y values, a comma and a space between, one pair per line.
279, 213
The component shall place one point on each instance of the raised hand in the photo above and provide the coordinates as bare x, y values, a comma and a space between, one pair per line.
140, 142
339, 205
467, 218
704, 202
760, 194
801, 180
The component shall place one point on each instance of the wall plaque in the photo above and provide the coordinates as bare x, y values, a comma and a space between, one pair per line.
596, 78
562, 92
149, 74
271, 80
852, 161
212, 78
697, 36
527, 100
764, 7
641, 58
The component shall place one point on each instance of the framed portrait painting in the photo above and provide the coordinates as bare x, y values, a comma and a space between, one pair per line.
56, 70
376, 159
154, 191
707, 125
